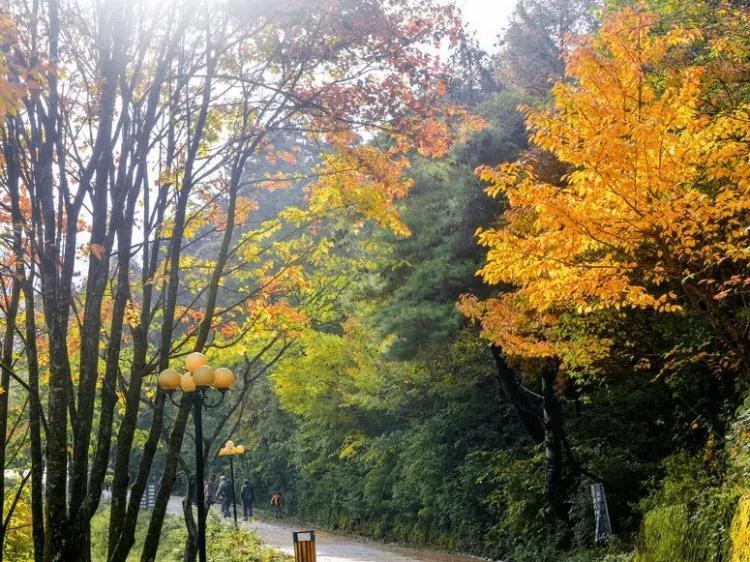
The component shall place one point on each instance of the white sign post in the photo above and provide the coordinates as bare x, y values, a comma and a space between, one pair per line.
602, 524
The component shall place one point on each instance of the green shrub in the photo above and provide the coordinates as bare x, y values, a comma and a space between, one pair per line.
688, 518
664, 531
227, 544
171, 546
224, 543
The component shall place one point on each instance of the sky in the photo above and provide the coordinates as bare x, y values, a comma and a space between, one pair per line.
487, 18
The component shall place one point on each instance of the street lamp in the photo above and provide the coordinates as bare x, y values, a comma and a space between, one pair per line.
198, 380
229, 450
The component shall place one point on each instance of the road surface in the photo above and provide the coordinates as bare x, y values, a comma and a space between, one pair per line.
337, 548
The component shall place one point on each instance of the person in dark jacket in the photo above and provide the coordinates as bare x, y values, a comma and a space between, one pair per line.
247, 496
209, 492
225, 494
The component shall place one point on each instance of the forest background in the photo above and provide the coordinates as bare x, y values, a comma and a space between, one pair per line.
455, 293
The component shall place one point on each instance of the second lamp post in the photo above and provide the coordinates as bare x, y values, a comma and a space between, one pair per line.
199, 379
229, 450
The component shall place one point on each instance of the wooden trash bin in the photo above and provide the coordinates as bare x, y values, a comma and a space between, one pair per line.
304, 546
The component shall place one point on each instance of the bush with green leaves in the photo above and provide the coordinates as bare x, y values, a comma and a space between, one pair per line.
224, 543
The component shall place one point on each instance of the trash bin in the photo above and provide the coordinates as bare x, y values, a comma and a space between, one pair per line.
304, 546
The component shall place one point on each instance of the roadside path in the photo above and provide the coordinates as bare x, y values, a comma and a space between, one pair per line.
337, 548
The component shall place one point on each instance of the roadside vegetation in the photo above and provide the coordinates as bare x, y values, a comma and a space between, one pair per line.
456, 288
225, 543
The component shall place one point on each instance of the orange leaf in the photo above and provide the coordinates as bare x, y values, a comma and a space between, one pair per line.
97, 250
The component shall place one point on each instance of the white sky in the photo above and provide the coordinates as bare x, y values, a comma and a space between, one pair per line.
487, 18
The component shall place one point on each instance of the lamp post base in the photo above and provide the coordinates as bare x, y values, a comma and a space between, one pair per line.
200, 499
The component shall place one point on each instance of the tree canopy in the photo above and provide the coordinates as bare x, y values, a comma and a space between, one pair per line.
456, 288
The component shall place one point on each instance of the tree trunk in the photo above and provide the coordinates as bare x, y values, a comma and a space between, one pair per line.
13, 301
528, 411
108, 391
555, 487
54, 300
151, 542
35, 406
6, 357
191, 541
175, 441
35, 421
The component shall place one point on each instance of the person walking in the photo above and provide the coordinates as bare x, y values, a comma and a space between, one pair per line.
247, 497
224, 495
276, 504
209, 492
229, 498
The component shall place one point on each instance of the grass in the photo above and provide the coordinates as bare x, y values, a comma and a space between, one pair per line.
225, 544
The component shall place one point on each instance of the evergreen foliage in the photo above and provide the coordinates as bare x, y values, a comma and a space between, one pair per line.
455, 293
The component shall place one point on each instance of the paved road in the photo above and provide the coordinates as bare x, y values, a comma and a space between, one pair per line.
337, 548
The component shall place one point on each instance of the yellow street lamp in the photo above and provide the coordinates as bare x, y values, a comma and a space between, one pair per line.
196, 382
230, 450
169, 379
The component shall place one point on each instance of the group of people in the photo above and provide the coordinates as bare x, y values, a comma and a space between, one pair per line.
224, 495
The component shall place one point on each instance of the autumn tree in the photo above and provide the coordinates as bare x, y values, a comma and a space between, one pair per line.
137, 140
659, 225
648, 212
18, 418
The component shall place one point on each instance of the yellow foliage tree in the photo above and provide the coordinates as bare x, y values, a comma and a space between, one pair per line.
651, 210
740, 530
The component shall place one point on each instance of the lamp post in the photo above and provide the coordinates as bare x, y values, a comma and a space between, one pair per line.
229, 450
199, 379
